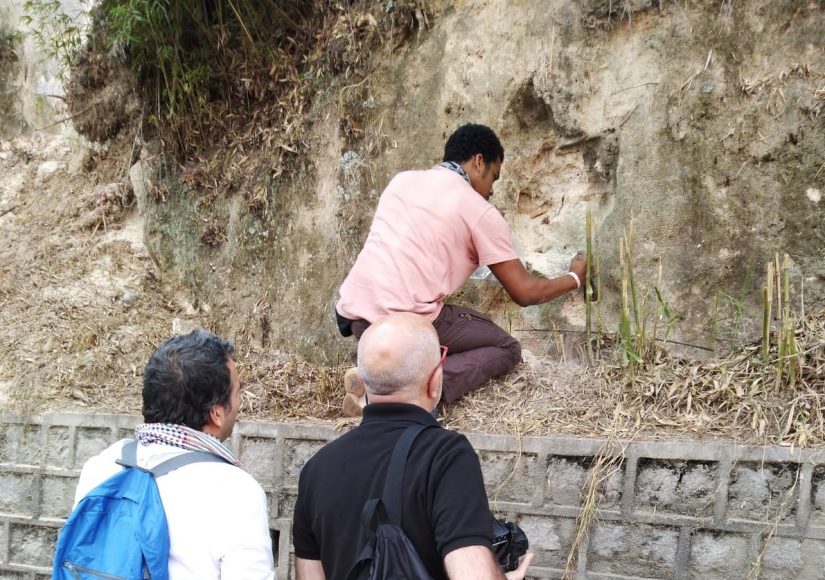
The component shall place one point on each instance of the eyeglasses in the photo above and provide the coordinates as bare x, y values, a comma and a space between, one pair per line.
441, 362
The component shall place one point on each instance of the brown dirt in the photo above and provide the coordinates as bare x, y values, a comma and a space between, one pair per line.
101, 98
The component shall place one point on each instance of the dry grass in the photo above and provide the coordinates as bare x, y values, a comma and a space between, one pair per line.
737, 396
605, 464
770, 530
772, 86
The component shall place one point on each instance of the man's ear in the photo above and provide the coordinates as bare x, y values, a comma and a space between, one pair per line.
434, 386
215, 420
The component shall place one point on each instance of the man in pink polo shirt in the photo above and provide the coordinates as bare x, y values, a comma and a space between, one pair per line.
431, 230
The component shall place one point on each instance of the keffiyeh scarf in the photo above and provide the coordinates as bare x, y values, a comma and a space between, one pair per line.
183, 437
453, 166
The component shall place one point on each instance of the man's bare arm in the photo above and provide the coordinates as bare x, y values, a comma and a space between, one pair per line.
526, 290
477, 563
309, 570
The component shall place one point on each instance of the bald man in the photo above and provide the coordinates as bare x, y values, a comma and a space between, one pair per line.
445, 509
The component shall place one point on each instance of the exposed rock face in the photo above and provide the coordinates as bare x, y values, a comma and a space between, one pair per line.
703, 124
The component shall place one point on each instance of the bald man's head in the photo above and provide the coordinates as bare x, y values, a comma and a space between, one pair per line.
397, 353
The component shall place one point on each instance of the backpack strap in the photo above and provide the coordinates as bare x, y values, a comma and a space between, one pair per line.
394, 484
128, 455
185, 459
128, 458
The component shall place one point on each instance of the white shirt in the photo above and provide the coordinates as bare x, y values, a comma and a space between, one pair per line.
217, 514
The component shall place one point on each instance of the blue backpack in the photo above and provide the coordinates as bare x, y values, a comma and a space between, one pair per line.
119, 530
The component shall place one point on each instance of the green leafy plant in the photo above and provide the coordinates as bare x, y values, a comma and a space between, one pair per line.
58, 34
788, 355
642, 312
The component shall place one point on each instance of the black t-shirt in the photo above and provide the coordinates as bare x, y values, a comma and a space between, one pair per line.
445, 503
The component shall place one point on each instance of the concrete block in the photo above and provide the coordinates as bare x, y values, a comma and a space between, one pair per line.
124, 433
290, 567
259, 457
275, 540
813, 559
21, 444
568, 476
90, 442
57, 496
271, 507
32, 545
512, 477
16, 493
782, 559
283, 504
59, 447
633, 550
759, 491
818, 496
550, 538
680, 487
296, 453
718, 555
4, 542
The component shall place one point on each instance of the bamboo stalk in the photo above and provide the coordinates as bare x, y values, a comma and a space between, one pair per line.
778, 275
637, 317
656, 313
588, 305
767, 303
598, 256
791, 352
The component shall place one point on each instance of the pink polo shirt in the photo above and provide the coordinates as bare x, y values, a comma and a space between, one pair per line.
430, 231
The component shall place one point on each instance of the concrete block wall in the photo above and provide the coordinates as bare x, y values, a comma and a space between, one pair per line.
665, 509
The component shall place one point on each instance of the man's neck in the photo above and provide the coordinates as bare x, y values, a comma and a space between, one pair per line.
400, 399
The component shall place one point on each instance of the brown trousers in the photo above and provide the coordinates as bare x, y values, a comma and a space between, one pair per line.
478, 349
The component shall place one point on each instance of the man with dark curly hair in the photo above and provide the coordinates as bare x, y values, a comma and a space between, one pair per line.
431, 230
216, 512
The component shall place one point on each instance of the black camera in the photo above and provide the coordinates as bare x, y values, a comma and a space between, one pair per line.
509, 544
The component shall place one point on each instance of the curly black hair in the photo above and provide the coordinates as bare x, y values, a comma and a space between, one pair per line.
185, 377
470, 139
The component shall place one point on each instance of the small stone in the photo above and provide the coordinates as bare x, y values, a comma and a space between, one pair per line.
47, 168
181, 326
707, 88
140, 177
129, 298
350, 162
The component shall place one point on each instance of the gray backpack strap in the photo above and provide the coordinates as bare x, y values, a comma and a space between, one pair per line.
185, 459
128, 455
128, 458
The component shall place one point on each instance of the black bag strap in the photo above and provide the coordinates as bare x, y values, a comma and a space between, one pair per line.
389, 507
128, 458
393, 493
